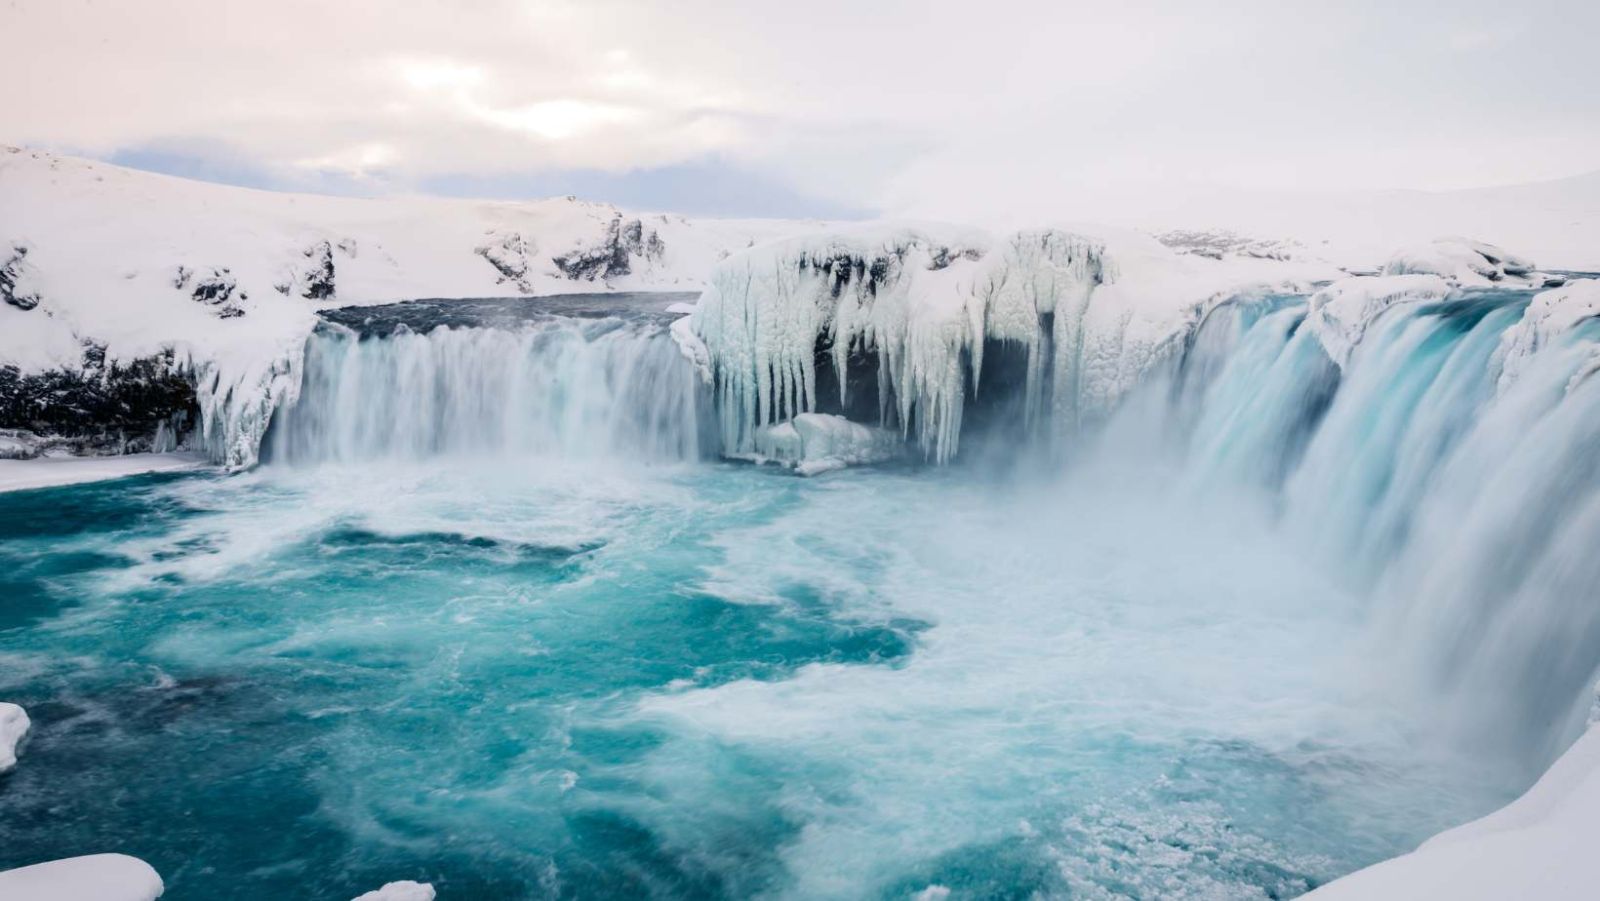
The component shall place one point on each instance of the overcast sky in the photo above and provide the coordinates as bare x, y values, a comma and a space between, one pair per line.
962, 110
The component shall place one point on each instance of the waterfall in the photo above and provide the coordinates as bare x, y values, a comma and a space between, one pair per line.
1444, 461
602, 387
1464, 502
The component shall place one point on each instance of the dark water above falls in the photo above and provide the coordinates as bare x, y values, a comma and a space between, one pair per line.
528, 639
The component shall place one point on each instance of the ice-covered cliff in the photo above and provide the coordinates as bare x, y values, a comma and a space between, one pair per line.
798, 325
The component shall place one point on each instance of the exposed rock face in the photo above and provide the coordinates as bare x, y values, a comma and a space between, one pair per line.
508, 253
217, 289
1218, 244
624, 241
313, 279
11, 272
100, 408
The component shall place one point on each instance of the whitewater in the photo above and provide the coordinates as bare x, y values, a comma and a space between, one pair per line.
495, 612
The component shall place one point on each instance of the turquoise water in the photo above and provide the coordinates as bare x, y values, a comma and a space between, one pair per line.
564, 656
549, 680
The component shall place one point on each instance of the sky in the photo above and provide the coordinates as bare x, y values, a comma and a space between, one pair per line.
978, 110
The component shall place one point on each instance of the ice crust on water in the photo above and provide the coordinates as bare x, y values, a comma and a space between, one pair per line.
14, 724
404, 890
95, 877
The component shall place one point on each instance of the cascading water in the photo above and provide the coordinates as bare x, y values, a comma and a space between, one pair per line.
1465, 507
556, 386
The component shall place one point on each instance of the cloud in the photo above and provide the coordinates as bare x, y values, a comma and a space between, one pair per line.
943, 108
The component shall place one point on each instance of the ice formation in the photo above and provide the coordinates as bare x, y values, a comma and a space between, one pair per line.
1340, 313
14, 726
1091, 314
1464, 262
813, 443
1551, 315
95, 877
404, 890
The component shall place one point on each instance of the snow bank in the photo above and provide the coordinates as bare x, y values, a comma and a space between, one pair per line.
14, 724
1538, 846
230, 279
405, 890
1340, 313
814, 443
50, 471
1093, 311
1463, 262
96, 877
1551, 314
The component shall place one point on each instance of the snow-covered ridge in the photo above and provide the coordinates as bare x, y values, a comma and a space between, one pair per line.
1092, 310
228, 280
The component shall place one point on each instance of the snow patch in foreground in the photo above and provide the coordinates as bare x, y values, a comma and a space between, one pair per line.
14, 725
814, 443
49, 472
1538, 846
96, 877
404, 890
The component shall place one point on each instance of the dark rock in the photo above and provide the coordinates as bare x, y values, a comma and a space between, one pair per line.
101, 406
10, 272
614, 256
508, 254
318, 279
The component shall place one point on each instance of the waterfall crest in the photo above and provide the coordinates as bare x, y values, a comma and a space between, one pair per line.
575, 387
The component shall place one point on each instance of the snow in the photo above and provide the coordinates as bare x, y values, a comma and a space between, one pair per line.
14, 725
405, 890
51, 471
814, 443
1464, 262
925, 298
1551, 314
231, 278
1538, 846
1340, 313
96, 877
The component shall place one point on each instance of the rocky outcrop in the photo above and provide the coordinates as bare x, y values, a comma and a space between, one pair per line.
313, 277
11, 273
218, 289
508, 253
625, 241
99, 408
